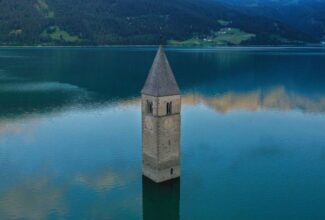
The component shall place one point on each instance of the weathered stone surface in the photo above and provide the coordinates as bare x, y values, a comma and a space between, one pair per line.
161, 130
162, 175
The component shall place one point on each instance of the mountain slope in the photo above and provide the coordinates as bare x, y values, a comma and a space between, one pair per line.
305, 15
99, 22
20, 20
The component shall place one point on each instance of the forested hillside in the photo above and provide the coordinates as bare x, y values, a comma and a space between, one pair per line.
113, 22
305, 15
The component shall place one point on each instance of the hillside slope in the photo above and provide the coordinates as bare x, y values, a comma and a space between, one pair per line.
110, 22
305, 15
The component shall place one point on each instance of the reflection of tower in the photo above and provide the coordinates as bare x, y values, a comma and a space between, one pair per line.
161, 107
160, 201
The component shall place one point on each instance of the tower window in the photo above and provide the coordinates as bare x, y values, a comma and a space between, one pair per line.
149, 107
169, 108
171, 171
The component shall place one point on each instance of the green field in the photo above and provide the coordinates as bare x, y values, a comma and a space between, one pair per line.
54, 33
225, 36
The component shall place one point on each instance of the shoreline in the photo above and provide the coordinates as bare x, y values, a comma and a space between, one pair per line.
168, 46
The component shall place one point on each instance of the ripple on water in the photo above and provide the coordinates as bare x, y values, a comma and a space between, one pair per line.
38, 86
6, 77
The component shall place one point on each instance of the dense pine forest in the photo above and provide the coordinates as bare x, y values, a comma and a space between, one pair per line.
142, 22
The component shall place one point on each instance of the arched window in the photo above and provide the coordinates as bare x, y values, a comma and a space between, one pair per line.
149, 107
169, 108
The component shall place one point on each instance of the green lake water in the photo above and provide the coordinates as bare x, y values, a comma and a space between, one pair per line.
252, 142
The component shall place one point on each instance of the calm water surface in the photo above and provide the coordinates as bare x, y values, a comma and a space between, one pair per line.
253, 134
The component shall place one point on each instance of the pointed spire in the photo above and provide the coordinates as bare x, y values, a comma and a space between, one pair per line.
161, 80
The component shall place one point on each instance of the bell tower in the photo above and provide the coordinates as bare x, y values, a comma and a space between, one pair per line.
161, 108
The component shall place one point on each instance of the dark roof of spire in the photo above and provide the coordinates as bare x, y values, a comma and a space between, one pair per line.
161, 80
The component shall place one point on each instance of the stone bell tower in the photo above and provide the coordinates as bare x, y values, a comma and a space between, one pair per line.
161, 108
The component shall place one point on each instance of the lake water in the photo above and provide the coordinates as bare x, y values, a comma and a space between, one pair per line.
252, 147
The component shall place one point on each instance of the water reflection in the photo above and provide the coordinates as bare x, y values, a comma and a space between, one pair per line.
77, 113
97, 194
46, 80
36, 198
277, 98
161, 201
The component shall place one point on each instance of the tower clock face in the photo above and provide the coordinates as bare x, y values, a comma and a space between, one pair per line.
148, 124
168, 124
